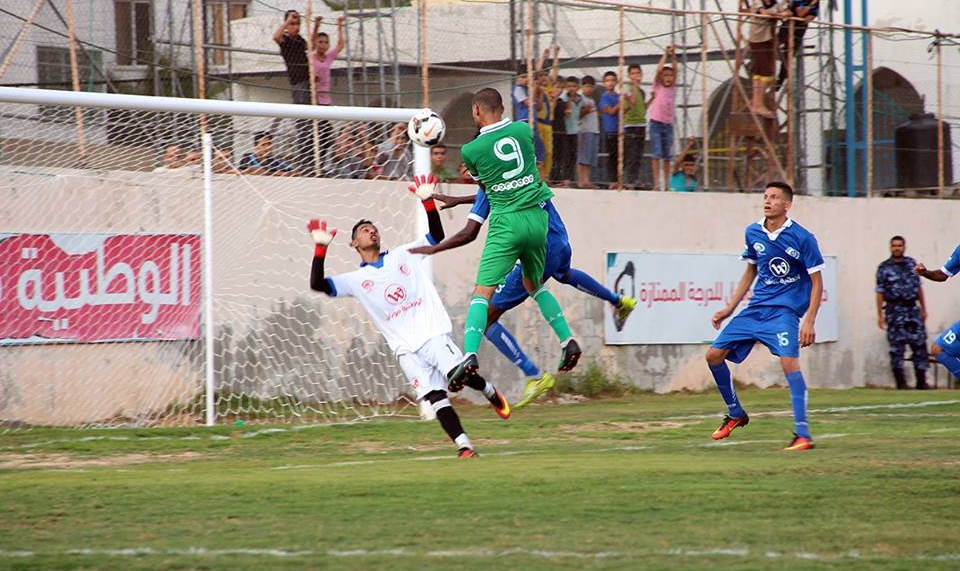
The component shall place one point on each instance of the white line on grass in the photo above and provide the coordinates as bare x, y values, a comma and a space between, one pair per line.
740, 553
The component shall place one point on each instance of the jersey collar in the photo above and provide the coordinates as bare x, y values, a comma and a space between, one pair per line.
493, 127
378, 263
772, 236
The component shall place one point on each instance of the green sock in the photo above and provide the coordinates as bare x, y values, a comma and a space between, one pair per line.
476, 324
551, 311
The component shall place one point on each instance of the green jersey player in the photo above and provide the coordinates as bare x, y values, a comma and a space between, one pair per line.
503, 160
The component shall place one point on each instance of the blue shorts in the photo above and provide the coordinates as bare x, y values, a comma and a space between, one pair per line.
661, 139
949, 340
776, 327
588, 145
511, 292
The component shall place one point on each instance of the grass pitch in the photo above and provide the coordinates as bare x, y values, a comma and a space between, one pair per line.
630, 483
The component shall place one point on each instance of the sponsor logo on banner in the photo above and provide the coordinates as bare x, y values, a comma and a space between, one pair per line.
88, 287
677, 295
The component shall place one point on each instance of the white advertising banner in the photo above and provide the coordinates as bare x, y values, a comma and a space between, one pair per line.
677, 295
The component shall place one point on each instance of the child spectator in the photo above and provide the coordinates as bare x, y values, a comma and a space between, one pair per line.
544, 101
762, 60
520, 95
634, 126
684, 177
438, 163
571, 121
323, 58
589, 133
353, 154
610, 122
559, 131
806, 9
293, 48
660, 109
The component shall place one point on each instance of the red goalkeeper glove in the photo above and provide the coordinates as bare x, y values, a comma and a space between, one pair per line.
321, 236
424, 187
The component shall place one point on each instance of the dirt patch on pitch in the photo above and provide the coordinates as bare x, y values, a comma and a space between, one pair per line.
650, 426
63, 462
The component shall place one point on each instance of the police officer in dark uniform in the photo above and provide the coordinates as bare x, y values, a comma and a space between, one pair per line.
902, 311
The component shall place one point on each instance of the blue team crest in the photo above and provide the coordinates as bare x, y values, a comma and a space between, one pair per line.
793, 253
779, 267
758, 247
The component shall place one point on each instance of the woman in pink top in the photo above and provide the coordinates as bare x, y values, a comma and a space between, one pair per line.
323, 59
660, 115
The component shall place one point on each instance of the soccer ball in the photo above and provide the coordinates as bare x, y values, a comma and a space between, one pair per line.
426, 128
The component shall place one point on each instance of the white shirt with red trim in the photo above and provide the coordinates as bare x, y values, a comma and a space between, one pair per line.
400, 297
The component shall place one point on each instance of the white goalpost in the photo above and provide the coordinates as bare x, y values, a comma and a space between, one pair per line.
155, 262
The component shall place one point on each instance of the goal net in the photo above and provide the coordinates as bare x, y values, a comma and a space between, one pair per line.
103, 210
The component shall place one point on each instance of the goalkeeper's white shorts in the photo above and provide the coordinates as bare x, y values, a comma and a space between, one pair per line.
427, 368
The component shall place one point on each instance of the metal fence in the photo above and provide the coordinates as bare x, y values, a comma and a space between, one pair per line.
814, 98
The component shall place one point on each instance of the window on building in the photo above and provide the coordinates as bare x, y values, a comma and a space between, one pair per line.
219, 15
134, 38
54, 72
53, 68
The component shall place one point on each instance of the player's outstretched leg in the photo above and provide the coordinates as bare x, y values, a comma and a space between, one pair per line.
494, 397
451, 423
551, 311
537, 383
736, 416
798, 398
472, 335
622, 304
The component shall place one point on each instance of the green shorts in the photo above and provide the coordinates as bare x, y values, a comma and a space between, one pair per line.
512, 236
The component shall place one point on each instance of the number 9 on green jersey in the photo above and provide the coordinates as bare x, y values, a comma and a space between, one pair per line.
503, 159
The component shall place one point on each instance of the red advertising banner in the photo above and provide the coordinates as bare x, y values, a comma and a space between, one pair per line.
88, 287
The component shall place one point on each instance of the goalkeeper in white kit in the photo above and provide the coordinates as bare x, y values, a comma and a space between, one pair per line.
396, 290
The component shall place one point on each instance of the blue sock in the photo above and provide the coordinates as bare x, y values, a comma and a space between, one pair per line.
950, 362
506, 344
585, 283
798, 396
721, 375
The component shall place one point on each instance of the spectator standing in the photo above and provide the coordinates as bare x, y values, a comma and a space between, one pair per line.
293, 48
566, 119
634, 126
262, 161
610, 123
901, 309
520, 96
394, 156
808, 10
660, 111
559, 131
588, 133
545, 98
760, 36
323, 58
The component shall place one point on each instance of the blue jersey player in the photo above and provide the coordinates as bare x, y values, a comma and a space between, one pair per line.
785, 260
511, 292
946, 347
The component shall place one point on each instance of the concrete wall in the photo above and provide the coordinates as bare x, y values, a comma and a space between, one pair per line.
306, 345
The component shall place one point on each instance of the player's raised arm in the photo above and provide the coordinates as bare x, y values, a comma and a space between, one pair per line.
423, 187
448, 201
322, 238
746, 280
